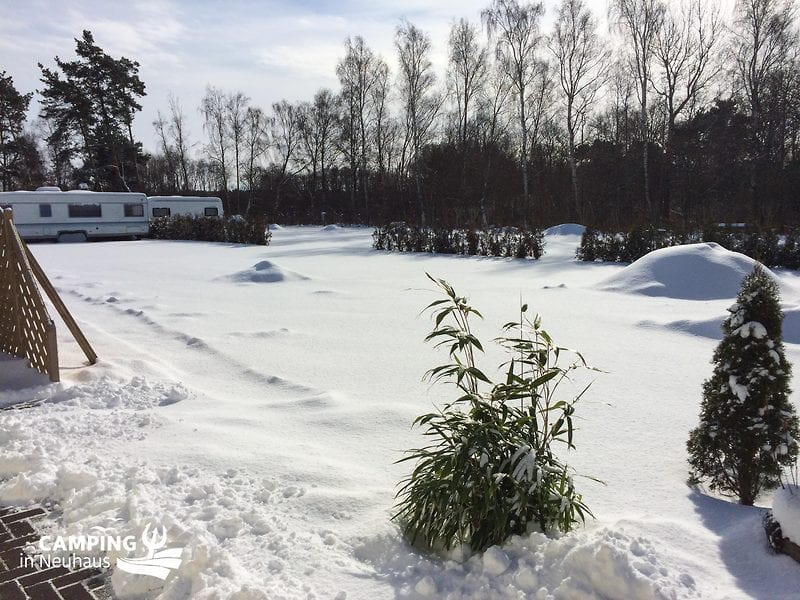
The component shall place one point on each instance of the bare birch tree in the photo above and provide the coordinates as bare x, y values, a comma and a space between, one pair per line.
180, 139
466, 72
514, 27
255, 138
358, 74
236, 115
582, 63
684, 50
213, 108
640, 21
420, 101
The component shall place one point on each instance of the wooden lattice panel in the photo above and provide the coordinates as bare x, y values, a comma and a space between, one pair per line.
26, 329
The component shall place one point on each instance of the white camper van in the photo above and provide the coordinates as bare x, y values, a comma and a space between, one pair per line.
170, 206
77, 215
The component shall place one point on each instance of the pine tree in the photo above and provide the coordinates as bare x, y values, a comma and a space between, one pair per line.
91, 103
748, 427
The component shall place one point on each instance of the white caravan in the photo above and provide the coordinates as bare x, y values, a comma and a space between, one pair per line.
77, 215
169, 206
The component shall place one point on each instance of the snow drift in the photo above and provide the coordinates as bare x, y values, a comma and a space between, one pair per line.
565, 229
704, 271
265, 272
712, 328
16, 375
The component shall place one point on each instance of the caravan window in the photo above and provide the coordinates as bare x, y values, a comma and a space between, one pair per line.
161, 212
211, 211
134, 210
77, 211
45, 210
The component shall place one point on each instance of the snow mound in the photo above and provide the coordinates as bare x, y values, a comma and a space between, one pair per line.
265, 272
565, 229
603, 564
704, 271
791, 325
16, 375
712, 328
274, 227
786, 510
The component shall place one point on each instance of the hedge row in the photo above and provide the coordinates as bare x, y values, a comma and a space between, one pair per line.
766, 247
234, 230
505, 241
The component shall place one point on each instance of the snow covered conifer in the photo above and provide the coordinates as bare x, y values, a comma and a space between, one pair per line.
748, 428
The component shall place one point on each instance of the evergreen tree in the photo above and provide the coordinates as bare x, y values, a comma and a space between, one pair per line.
92, 101
748, 428
13, 107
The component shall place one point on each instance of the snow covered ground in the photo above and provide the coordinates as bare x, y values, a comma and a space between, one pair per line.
254, 401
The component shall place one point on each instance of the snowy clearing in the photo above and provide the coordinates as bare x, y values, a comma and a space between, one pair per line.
254, 401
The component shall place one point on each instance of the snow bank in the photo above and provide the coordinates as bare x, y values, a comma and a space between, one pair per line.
16, 375
330, 228
791, 325
605, 563
265, 272
565, 229
704, 271
786, 511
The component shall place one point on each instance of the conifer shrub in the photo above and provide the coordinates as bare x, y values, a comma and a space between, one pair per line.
499, 241
588, 250
765, 246
748, 429
490, 467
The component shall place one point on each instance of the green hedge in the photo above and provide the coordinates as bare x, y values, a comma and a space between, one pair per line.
764, 246
505, 241
234, 230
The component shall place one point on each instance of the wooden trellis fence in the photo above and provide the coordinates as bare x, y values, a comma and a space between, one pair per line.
26, 329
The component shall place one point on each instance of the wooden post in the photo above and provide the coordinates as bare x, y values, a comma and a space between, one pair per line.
60, 307
26, 329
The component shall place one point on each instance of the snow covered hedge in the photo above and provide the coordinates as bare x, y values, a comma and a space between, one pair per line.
502, 241
236, 230
767, 247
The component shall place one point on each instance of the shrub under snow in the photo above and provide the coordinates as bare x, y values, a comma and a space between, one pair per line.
786, 511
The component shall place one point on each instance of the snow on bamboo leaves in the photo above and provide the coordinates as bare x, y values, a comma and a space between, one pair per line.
490, 469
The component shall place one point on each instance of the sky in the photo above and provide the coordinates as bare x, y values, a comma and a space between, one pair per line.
270, 50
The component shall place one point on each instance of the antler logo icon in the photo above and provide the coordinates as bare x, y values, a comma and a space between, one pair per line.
154, 541
157, 562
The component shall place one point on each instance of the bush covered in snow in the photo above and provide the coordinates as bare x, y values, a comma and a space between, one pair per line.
490, 469
237, 230
782, 523
748, 427
764, 246
630, 246
501, 241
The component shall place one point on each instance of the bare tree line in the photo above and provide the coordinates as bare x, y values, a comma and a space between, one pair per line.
520, 127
